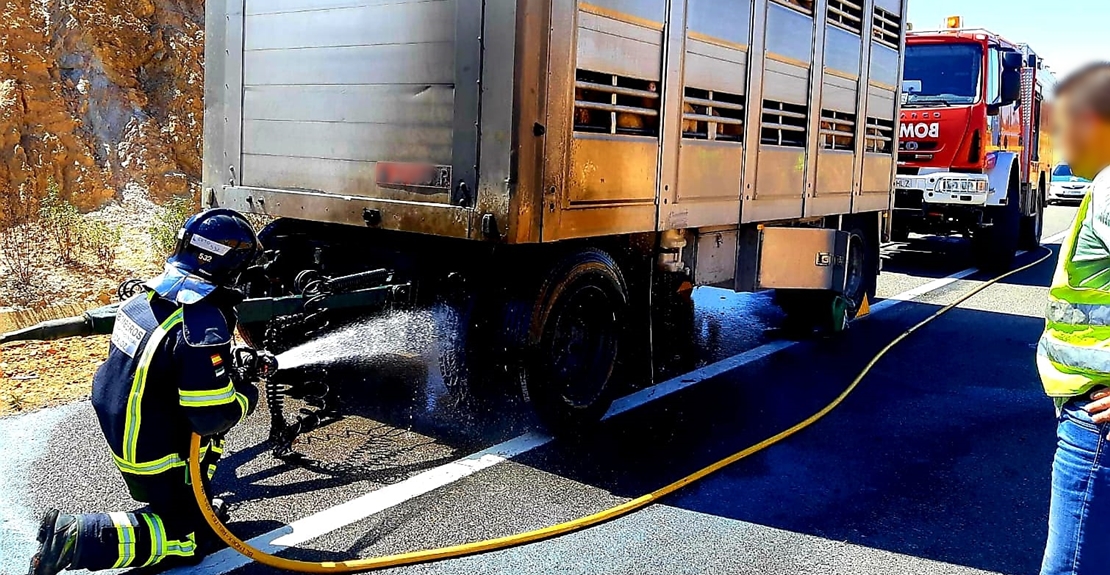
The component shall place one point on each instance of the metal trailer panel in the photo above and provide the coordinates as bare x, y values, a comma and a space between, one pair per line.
836, 119
883, 103
604, 180
223, 82
328, 90
803, 258
524, 153
706, 189
216, 119
782, 165
725, 117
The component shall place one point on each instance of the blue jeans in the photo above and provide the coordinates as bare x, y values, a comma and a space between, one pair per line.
1079, 516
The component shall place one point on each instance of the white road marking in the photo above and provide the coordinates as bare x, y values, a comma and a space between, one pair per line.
944, 282
1055, 238
650, 394
328, 520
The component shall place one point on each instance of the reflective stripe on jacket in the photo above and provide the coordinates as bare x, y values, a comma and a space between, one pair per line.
1073, 355
155, 390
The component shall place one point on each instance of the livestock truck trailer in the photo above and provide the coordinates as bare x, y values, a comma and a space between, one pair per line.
566, 170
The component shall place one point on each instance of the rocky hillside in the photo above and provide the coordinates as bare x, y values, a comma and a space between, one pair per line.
96, 95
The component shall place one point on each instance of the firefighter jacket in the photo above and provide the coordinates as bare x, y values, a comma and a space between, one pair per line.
1073, 355
167, 375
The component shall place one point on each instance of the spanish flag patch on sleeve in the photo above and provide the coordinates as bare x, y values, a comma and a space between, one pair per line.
218, 364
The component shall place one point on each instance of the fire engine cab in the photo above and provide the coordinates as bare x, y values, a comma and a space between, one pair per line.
973, 158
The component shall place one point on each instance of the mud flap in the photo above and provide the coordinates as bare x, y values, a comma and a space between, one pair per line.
840, 309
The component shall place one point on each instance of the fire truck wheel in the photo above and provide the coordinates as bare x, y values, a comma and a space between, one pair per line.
576, 329
996, 246
1033, 225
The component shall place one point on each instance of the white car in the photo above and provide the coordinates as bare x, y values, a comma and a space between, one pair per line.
1066, 186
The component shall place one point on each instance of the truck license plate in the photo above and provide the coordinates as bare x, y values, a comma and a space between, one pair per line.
411, 175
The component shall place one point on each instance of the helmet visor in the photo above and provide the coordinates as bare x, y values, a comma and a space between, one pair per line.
179, 286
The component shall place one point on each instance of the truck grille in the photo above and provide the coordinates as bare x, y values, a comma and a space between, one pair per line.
914, 157
921, 147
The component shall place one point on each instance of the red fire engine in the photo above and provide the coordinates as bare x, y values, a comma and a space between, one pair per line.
973, 159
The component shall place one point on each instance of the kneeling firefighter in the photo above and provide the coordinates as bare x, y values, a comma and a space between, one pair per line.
168, 374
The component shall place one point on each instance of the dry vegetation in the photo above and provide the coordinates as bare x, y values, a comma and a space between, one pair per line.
34, 375
101, 109
38, 251
59, 255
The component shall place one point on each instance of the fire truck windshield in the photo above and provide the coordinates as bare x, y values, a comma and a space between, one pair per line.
942, 74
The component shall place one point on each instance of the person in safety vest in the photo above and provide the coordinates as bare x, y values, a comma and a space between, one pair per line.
1073, 355
168, 374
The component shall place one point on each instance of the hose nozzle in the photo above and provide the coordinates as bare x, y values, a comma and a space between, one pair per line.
252, 364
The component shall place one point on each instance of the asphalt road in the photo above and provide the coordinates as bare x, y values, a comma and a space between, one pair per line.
938, 463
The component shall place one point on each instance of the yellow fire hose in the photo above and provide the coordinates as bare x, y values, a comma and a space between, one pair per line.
356, 565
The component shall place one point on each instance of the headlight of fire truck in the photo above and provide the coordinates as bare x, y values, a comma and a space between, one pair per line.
963, 185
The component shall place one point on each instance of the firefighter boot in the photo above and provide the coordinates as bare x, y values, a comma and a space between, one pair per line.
58, 535
221, 508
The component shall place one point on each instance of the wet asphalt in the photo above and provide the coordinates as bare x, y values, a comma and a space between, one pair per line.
938, 463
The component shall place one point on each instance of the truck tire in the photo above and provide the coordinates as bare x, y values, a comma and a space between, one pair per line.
577, 324
1032, 226
995, 247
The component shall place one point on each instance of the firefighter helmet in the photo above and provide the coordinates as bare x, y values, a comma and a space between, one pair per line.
213, 248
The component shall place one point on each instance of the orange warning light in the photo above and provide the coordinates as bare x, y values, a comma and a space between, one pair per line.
955, 22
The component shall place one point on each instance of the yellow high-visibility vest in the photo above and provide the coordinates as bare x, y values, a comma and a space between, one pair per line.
1073, 355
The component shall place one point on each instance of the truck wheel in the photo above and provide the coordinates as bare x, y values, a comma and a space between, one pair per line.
575, 334
996, 246
1032, 226
478, 360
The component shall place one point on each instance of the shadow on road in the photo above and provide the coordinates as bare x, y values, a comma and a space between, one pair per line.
928, 256
1041, 276
944, 452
